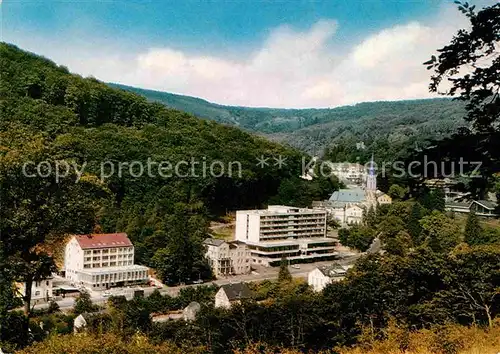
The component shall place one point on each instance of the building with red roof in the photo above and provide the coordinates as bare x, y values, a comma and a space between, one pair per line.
95, 241
101, 261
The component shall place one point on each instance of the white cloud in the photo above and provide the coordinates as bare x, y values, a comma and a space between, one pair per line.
290, 69
392, 42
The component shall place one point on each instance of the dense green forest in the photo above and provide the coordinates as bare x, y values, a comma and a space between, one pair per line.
387, 128
390, 130
55, 118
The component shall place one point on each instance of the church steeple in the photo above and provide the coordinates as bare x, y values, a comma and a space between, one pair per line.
371, 179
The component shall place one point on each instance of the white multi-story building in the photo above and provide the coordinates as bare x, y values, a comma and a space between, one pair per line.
100, 261
227, 258
283, 231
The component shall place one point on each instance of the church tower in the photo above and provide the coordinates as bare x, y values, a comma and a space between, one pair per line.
371, 179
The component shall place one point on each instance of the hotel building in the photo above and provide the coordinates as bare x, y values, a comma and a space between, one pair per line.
101, 261
283, 231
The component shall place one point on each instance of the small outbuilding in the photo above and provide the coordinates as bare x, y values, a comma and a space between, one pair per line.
81, 322
190, 311
230, 294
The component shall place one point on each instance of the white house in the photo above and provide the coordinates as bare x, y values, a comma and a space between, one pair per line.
382, 198
41, 290
230, 294
100, 261
82, 320
227, 258
353, 214
320, 277
284, 231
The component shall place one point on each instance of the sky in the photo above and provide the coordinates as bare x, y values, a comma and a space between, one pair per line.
259, 53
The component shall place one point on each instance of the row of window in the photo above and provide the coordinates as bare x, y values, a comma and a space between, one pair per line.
288, 235
38, 283
106, 264
301, 229
292, 217
232, 270
109, 250
111, 257
134, 275
106, 286
292, 220
276, 248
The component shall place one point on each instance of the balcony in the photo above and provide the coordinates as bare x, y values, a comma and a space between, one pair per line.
264, 253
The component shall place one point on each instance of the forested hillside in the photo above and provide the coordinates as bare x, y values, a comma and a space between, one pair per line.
384, 127
387, 129
51, 115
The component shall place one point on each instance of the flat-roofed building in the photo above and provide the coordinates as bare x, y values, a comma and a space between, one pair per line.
298, 234
100, 261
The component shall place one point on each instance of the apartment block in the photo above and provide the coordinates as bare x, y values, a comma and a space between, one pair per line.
101, 261
227, 258
298, 234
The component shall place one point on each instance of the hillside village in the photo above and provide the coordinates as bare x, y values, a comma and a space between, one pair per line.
103, 264
337, 206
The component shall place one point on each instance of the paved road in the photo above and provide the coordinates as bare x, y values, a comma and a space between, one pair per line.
262, 273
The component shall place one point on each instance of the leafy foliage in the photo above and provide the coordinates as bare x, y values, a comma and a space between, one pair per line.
83, 303
359, 237
439, 232
471, 64
396, 192
473, 229
419, 289
284, 273
108, 343
414, 228
468, 69
39, 211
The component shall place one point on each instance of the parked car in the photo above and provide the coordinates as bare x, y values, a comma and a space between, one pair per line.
295, 266
106, 294
199, 281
